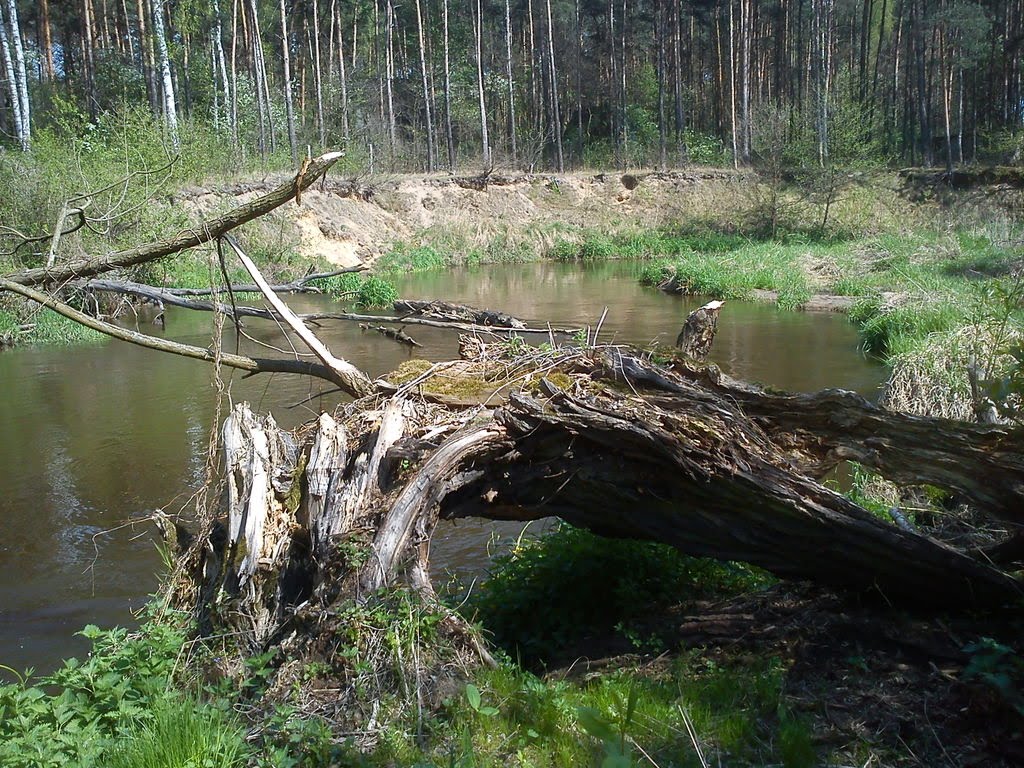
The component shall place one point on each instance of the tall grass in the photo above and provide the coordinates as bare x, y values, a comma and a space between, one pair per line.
183, 733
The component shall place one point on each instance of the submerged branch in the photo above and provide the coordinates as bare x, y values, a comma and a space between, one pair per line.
241, 362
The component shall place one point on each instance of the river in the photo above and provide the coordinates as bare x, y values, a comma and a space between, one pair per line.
93, 437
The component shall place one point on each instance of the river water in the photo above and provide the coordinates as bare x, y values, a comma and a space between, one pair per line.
93, 437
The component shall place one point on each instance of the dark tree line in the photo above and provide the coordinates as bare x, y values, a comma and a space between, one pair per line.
428, 84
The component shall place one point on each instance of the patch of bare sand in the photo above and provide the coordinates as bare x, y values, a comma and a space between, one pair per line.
347, 222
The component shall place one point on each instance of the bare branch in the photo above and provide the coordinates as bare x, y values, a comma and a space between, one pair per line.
241, 362
346, 375
201, 233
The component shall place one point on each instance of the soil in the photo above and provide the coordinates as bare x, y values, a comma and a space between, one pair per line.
353, 221
866, 674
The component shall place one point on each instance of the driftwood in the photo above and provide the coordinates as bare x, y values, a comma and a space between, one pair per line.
460, 313
390, 333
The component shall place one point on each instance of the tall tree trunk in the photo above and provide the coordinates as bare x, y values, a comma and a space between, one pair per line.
12, 85
289, 107
389, 27
659, 21
511, 84
321, 127
428, 111
89, 59
46, 39
343, 79
732, 84
448, 137
147, 57
478, 36
556, 116
234, 73
170, 110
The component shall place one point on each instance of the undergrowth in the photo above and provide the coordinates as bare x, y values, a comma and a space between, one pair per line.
547, 595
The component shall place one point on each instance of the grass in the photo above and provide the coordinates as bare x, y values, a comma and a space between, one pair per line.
548, 594
183, 733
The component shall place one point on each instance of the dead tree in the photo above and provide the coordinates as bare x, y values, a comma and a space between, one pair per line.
602, 437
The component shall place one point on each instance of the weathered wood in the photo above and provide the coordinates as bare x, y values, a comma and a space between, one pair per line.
817, 431
698, 332
327, 460
396, 335
446, 310
346, 376
198, 234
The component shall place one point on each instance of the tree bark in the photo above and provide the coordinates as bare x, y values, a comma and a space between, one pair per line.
170, 110
625, 448
288, 106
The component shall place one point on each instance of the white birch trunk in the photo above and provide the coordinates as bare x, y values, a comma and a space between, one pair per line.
170, 110
12, 84
19, 85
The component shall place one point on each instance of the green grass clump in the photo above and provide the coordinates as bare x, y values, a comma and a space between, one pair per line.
409, 258
375, 292
548, 593
368, 292
890, 330
183, 733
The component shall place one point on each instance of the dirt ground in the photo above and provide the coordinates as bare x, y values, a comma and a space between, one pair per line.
870, 677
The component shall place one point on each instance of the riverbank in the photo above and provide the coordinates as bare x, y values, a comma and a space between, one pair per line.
612, 666
739, 671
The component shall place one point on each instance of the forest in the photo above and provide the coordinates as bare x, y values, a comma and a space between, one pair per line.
541, 84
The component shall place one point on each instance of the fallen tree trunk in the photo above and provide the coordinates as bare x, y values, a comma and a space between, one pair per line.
186, 301
340, 510
459, 313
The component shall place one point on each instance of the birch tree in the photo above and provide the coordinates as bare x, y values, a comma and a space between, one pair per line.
288, 106
19, 125
170, 110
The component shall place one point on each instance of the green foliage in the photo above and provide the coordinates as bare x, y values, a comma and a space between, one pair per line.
548, 593
182, 733
704, 149
77, 714
376, 292
367, 291
409, 258
1000, 668
888, 330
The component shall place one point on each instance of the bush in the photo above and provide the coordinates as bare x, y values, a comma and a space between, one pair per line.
75, 715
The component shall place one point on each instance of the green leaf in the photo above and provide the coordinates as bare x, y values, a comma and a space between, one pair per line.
596, 724
488, 711
473, 695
